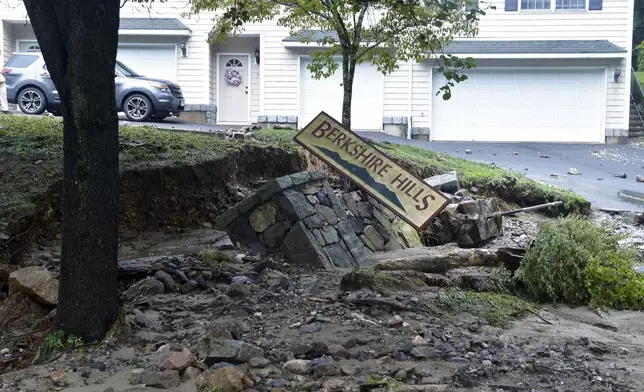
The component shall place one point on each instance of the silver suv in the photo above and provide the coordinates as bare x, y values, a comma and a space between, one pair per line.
141, 99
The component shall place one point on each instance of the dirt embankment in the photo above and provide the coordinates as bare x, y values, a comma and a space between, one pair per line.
183, 196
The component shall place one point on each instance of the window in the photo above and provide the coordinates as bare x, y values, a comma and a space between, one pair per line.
535, 4
571, 5
28, 46
22, 61
234, 63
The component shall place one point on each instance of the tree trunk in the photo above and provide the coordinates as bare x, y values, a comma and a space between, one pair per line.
348, 71
435, 260
79, 41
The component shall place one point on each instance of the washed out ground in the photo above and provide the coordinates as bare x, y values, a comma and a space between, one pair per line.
428, 339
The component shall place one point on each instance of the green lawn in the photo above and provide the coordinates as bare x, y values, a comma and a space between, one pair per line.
640, 76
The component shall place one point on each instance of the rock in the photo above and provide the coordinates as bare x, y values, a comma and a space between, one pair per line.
238, 290
423, 372
57, 377
145, 287
223, 379
467, 222
395, 321
324, 367
191, 373
168, 282
400, 375
573, 172
639, 178
233, 351
296, 366
468, 151
348, 371
85, 372
327, 213
301, 247
273, 236
330, 235
447, 182
620, 175
35, 282
179, 361
337, 351
374, 238
189, 287
311, 328
295, 205
263, 217
259, 362
166, 379
418, 341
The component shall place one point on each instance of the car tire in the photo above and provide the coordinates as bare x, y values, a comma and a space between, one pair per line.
137, 107
32, 101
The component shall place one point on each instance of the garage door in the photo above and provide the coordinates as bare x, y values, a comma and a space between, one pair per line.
326, 95
521, 105
154, 61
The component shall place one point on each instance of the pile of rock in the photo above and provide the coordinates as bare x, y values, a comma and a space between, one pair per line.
466, 221
310, 223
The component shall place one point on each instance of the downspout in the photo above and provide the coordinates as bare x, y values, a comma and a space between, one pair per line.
410, 78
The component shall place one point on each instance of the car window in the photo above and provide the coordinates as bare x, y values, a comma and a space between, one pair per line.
22, 61
125, 70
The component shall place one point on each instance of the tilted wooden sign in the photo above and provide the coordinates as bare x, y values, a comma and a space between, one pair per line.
403, 193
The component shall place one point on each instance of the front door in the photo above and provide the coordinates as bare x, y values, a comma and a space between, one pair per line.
234, 85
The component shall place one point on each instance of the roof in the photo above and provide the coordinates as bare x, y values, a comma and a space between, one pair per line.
532, 47
476, 46
152, 24
313, 35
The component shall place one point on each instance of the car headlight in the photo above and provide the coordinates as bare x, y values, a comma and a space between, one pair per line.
162, 87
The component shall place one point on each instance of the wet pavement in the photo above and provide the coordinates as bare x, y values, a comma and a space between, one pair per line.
597, 166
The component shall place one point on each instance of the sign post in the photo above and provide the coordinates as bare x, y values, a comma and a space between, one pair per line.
409, 197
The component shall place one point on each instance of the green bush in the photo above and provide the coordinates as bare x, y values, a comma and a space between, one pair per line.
640, 56
575, 261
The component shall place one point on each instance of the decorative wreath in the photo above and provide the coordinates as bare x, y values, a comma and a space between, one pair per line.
233, 77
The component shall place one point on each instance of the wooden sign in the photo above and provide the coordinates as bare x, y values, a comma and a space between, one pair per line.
403, 193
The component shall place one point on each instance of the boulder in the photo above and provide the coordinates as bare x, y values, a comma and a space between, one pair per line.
447, 182
233, 351
37, 283
149, 286
223, 379
470, 223
179, 360
164, 380
263, 217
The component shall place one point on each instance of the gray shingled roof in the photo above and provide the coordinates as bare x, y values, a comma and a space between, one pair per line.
500, 47
540, 46
152, 24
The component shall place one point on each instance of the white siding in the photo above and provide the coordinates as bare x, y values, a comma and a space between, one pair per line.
7, 46
611, 23
397, 92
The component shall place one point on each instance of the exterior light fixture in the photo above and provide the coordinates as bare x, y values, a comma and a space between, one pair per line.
184, 50
257, 56
616, 74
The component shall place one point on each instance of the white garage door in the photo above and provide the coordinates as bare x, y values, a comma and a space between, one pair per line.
326, 95
521, 105
154, 61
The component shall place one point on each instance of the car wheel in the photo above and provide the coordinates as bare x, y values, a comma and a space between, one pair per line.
137, 107
32, 101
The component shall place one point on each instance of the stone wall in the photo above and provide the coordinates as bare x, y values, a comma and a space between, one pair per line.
310, 223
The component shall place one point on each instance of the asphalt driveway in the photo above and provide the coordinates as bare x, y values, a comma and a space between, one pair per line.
597, 166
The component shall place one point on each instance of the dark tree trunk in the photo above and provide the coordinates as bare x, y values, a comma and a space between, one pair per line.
78, 39
348, 71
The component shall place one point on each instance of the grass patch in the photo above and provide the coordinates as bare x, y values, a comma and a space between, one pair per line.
575, 261
381, 282
55, 343
491, 181
498, 309
640, 76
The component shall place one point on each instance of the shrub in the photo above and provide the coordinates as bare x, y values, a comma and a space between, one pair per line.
575, 261
640, 56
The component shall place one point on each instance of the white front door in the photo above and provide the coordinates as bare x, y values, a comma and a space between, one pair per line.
521, 105
234, 85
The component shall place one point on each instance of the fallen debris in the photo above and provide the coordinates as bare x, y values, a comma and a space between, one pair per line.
436, 259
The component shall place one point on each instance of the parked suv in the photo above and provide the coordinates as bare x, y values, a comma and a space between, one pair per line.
31, 88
